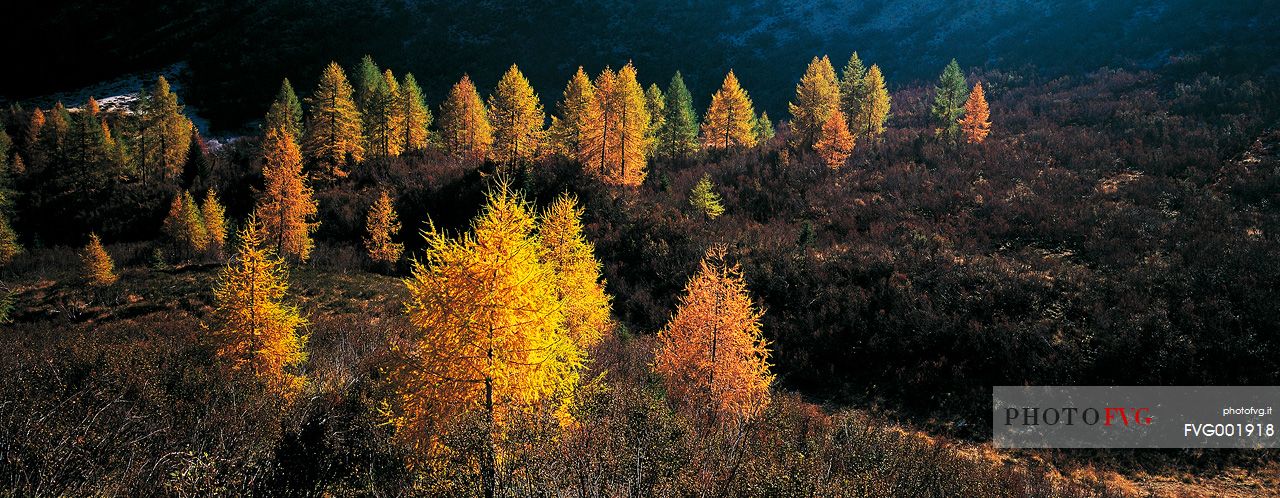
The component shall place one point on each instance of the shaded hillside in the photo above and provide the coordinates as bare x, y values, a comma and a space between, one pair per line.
233, 45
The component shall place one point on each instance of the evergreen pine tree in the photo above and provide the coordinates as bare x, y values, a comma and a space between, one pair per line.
949, 100
415, 116
678, 136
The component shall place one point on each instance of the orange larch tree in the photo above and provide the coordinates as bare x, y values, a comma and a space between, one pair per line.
711, 356
836, 143
633, 123
215, 222
976, 123
256, 330
285, 207
184, 226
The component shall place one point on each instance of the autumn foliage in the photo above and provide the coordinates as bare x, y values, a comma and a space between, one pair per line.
286, 207
465, 131
99, 269
381, 226
730, 121
711, 355
333, 131
490, 335
255, 330
976, 123
835, 143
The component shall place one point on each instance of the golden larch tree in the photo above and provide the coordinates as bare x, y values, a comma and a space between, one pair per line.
517, 117
286, 207
490, 337
465, 131
163, 134
730, 120
99, 269
836, 143
333, 133
577, 271
712, 356
817, 96
381, 226
976, 123
256, 330
215, 222
874, 109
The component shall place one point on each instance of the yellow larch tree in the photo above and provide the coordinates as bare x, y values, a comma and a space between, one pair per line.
874, 109
286, 207
572, 258
817, 96
976, 123
381, 226
517, 117
730, 120
490, 337
712, 356
465, 131
256, 331
333, 133
836, 143
99, 270
215, 222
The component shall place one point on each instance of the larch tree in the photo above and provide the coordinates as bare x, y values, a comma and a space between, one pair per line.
817, 96
712, 356
874, 109
730, 120
597, 137
853, 89
976, 124
465, 131
285, 111
764, 128
579, 116
367, 79
163, 136
381, 119
99, 270
632, 123
257, 332
948, 101
577, 272
184, 227
285, 207
31, 137
490, 335
9, 246
215, 222
836, 143
332, 135
381, 227
655, 103
415, 116
704, 198
678, 137
517, 118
